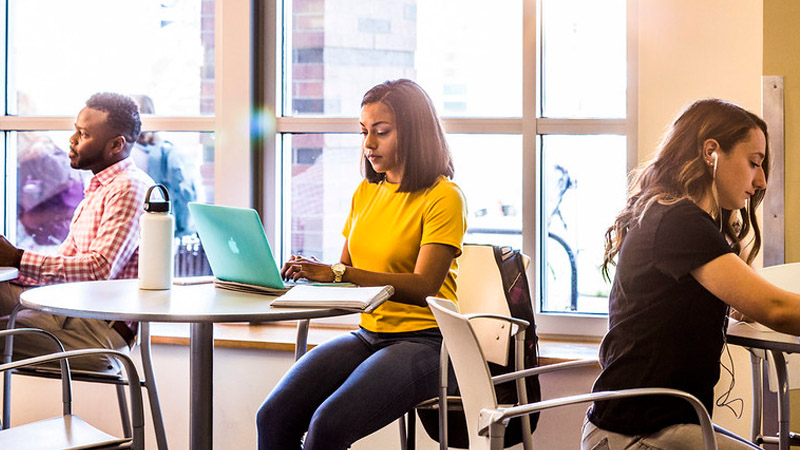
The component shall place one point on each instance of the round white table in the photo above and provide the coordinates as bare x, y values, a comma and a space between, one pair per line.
201, 305
8, 273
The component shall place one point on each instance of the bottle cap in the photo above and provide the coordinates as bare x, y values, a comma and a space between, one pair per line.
157, 206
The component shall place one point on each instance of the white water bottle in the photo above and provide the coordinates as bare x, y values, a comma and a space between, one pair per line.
156, 237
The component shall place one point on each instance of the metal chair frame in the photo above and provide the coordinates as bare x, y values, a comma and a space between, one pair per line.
149, 381
134, 430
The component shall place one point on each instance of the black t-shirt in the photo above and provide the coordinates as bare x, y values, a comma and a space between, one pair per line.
665, 329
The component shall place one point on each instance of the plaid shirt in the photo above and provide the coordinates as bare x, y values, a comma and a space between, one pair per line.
103, 240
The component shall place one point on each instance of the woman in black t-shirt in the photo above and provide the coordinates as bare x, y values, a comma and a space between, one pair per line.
682, 248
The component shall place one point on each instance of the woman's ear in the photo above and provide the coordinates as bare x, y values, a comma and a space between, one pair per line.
710, 147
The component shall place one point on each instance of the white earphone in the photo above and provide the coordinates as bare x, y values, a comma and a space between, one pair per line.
713, 164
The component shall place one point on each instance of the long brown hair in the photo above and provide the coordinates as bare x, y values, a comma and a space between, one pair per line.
680, 172
422, 149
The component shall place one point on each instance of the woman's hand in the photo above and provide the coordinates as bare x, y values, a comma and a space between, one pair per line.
736, 315
307, 267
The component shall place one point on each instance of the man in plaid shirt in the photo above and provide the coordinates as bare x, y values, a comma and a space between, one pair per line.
103, 237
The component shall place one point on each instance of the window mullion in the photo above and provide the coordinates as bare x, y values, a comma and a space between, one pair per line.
155, 123
582, 126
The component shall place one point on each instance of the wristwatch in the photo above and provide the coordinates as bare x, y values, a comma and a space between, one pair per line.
338, 272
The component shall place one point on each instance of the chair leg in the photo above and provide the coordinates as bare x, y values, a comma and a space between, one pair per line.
411, 440
497, 433
408, 431
401, 423
7, 352
122, 400
150, 384
6, 420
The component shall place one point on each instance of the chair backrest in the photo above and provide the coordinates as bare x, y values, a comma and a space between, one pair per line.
469, 364
480, 290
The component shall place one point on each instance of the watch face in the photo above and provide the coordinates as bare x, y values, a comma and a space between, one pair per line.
338, 272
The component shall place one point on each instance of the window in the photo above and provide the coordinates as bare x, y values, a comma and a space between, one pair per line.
58, 55
539, 123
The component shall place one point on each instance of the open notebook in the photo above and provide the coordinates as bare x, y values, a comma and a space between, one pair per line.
363, 299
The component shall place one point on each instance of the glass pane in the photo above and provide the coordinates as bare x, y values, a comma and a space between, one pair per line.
492, 186
584, 189
62, 52
324, 172
470, 64
583, 58
49, 190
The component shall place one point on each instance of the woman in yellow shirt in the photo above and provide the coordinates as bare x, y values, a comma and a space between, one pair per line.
405, 228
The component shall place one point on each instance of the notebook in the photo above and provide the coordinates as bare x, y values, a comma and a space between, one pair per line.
236, 246
362, 299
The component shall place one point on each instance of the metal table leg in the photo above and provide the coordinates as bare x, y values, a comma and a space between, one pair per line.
783, 400
202, 383
757, 369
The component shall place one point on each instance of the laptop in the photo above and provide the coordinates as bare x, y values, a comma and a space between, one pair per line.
236, 245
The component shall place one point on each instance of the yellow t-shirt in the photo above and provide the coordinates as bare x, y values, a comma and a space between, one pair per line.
385, 230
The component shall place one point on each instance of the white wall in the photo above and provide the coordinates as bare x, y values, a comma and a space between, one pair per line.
691, 49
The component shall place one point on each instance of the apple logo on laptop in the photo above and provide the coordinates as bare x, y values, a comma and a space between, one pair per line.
233, 246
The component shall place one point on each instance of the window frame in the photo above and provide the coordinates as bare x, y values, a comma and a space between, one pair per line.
233, 173
530, 126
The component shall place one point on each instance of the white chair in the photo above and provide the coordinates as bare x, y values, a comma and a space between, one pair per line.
117, 379
69, 431
481, 294
486, 419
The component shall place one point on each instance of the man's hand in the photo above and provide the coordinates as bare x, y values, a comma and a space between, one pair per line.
9, 255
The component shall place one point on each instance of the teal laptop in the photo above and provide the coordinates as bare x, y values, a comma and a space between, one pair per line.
236, 245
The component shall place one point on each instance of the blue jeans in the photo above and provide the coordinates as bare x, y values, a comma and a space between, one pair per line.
350, 387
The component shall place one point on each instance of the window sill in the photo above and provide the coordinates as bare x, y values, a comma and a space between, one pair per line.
281, 337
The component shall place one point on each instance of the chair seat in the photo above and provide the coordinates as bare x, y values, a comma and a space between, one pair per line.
77, 374
65, 432
453, 404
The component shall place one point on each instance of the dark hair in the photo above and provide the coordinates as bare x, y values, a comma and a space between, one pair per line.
422, 149
679, 171
123, 114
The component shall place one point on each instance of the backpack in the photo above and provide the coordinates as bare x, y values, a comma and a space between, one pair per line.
515, 283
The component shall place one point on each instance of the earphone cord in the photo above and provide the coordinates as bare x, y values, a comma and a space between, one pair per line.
725, 400
714, 191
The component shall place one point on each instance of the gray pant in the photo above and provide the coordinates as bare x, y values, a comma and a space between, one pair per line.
676, 437
75, 333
